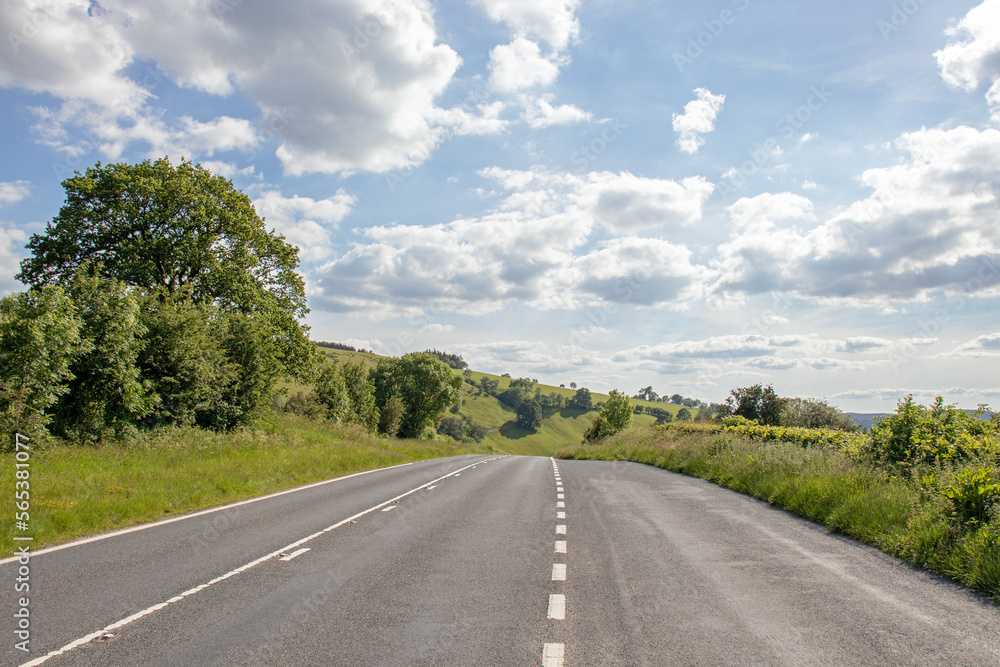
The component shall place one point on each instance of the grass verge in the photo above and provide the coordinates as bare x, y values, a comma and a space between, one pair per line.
77, 491
827, 486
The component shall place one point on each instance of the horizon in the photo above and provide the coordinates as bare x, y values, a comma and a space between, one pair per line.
693, 197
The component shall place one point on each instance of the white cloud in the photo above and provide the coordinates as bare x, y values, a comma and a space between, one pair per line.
520, 65
359, 76
305, 222
12, 241
987, 345
929, 225
553, 21
528, 249
965, 63
540, 113
697, 120
12, 192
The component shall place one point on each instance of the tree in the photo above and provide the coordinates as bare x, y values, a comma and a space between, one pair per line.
107, 394
424, 384
683, 415
648, 394
677, 399
757, 403
517, 392
183, 360
572, 385
582, 400
815, 413
155, 226
617, 411
39, 338
489, 385
529, 415
348, 395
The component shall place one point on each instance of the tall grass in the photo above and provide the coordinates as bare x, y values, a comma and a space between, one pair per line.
77, 491
829, 486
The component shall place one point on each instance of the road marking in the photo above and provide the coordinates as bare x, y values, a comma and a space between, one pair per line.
560, 515
557, 606
294, 554
561, 529
560, 496
389, 508
558, 571
432, 487
183, 517
232, 573
560, 504
552, 655
560, 546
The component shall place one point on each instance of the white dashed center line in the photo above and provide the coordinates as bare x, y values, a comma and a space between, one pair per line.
552, 655
561, 529
389, 508
558, 571
560, 546
560, 504
561, 496
557, 606
560, 515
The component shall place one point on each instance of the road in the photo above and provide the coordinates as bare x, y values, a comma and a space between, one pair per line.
487, 560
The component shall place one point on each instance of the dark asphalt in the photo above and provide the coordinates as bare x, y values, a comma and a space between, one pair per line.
661, 569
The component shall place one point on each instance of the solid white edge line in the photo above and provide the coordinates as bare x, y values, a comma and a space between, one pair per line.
243, 568
557, 607
552, 655
182, 517
287, 557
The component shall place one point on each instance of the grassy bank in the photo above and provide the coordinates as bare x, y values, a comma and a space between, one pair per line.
828, 485
77, 491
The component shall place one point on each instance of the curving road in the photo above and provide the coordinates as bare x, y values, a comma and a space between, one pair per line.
493, 561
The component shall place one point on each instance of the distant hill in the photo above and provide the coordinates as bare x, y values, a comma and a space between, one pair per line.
564, 427
867, 419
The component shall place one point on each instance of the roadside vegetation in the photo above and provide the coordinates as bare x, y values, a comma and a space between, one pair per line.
922, 485
78, 491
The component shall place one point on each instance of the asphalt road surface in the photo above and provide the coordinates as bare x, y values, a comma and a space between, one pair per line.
484, 560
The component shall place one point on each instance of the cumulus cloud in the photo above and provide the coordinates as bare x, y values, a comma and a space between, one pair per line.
520, 65
553, 21
976, 58
929, 225
11, 192
987, 345
697, 120
530, 249
305, 222
539, 113
338, 87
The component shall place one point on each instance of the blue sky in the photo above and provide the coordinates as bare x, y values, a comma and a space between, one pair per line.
693, 196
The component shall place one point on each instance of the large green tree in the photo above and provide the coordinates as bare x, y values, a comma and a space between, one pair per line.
424, 385
179, 229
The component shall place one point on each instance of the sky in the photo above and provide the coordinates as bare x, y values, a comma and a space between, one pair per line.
689, 196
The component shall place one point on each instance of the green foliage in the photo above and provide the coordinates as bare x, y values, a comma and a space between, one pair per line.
529, 415
599, 429
617, 411
849, 441
941, 433
973, 493
155, 226
453, 427
684, 415
756, 403
183, 360
453, 360
426, 386
106, 395
814, 413
39, 338
517, 392
390, 416
348, 396
582, 400
489, 385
